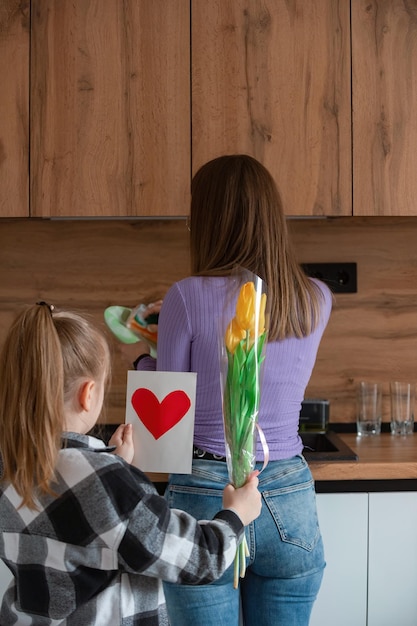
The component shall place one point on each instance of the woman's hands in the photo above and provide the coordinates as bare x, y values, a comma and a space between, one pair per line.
152, 309
131, 351
245, 501
122, 438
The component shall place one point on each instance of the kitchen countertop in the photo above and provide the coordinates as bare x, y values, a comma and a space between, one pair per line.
380, 457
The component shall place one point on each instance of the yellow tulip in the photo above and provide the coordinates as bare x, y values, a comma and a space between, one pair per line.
246, 310
246, 321
234, 334
261, 323
242, 392
245, 307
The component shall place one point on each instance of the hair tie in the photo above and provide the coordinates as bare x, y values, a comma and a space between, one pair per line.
50, 306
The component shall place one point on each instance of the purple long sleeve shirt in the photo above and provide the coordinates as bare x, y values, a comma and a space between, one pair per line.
188, 341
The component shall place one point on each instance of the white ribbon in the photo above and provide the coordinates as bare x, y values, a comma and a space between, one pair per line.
265, 447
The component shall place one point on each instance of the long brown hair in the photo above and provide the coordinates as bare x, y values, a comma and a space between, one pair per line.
237, 220
46, 356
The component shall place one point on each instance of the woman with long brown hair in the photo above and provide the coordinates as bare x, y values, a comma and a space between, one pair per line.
237, 221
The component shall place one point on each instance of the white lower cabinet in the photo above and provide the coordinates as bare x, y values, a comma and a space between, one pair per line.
392, 573
344, 525
370, 542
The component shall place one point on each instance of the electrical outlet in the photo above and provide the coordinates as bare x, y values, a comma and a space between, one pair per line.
340, 277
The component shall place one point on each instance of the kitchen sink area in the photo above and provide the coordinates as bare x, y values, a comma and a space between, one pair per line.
326, 446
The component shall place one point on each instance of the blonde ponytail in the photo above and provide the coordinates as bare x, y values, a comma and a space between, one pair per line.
45, 355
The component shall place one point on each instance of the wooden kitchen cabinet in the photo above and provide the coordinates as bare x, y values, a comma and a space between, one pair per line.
119, 120
110, 108
272, 79
384, 93
14, 108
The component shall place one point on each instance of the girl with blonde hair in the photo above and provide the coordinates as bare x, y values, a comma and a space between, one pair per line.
85, 535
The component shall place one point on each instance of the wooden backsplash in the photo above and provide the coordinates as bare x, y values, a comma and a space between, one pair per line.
89, 265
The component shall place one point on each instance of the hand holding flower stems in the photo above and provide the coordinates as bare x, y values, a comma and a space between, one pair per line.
245, 501
244, 345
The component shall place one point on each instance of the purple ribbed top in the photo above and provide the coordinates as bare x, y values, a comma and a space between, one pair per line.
188, 341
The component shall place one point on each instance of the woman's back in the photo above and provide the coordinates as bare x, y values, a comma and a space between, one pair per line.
189, 336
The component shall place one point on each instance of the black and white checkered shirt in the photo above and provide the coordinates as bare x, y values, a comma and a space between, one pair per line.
96, 553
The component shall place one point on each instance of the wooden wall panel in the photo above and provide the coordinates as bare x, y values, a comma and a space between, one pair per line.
372, 335
90, 265
14, 108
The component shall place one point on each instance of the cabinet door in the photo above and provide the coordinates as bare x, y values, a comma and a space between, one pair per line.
272, 79
14, 108
384, 69
110, 107
392, 597
342, 598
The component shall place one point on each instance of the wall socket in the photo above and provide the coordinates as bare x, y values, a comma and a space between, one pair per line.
340, 277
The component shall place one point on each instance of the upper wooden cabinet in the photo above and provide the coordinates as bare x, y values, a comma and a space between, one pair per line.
14, 108
272, 79
110, 108
384, 62
128, 99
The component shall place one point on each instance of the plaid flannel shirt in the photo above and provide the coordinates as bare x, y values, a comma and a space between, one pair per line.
96, 553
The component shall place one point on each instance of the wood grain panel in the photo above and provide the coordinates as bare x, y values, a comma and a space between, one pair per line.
272, 79
90, 265
14, 108
384, 63
110, 108
372, 335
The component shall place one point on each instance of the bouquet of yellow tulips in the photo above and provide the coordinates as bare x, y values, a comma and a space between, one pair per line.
243, 351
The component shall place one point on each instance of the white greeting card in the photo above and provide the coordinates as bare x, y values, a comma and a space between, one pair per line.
161, 407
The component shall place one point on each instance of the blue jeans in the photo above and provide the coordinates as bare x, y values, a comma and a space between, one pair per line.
286, 562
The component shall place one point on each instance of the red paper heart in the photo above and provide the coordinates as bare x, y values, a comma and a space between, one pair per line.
159, 417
